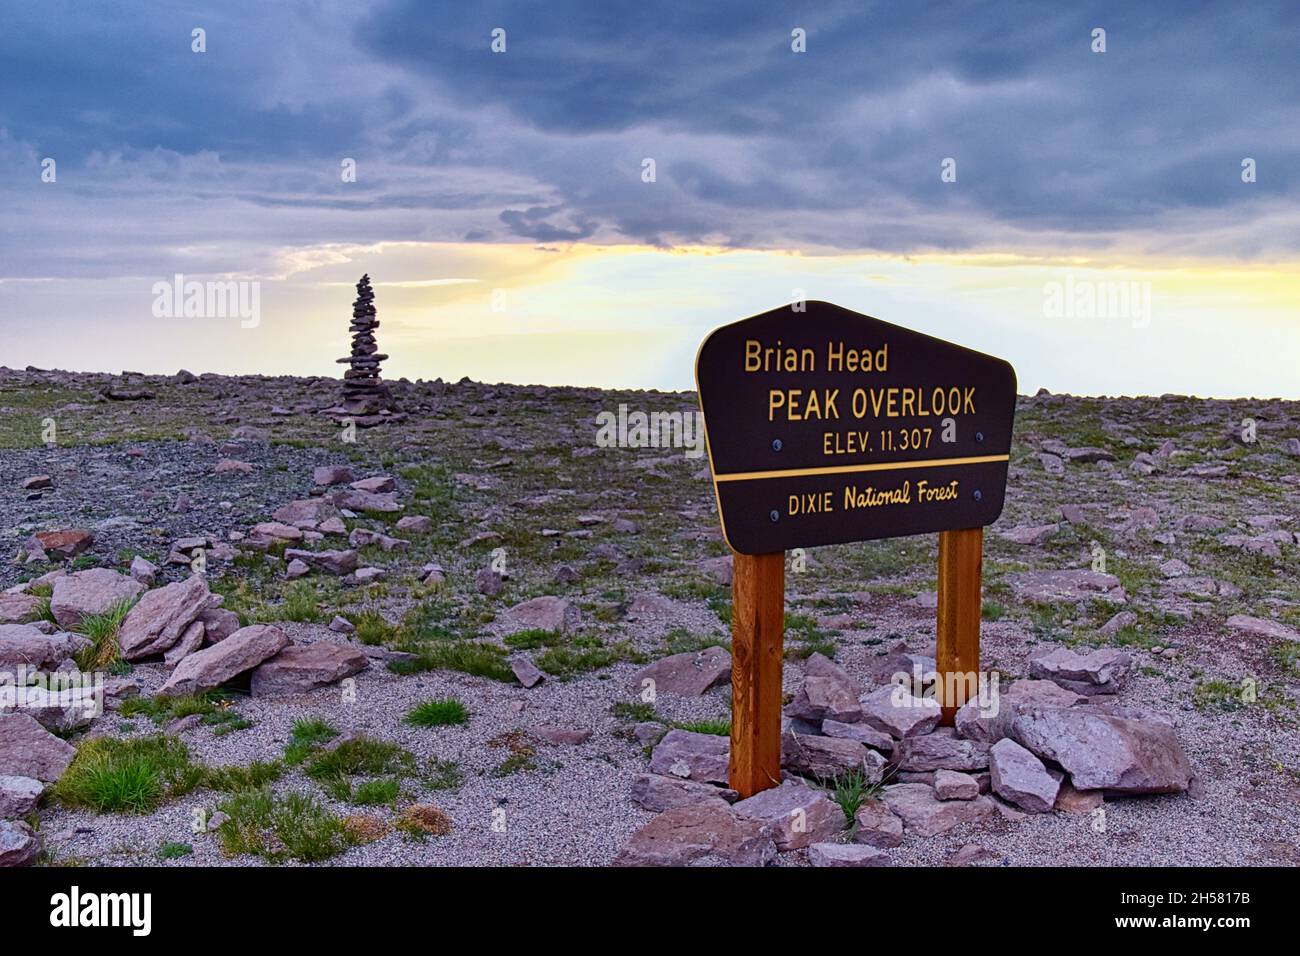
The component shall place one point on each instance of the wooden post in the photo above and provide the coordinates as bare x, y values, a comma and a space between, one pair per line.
961, 556
757, 631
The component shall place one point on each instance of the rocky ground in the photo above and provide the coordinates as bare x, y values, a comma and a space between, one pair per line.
424, 641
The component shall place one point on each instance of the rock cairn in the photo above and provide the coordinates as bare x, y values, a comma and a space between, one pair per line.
364, 392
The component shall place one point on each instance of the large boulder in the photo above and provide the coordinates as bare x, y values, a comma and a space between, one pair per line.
23, 645
692, 756
797, 813
656, 792
355, 499
894, 711
542, 613
824, 758
704, 834
1097, 672
18, 796
824, 698
689, 674
61, 545
1104, 752
819, 665
20, 845
29, 750
1020, 778
218, 624
303, 667
926, 815
306, 513
989, 721
868, 736
940, 750
846, 854
85, 593
336, 562
161, 616
19, 608
213, 666
877, 825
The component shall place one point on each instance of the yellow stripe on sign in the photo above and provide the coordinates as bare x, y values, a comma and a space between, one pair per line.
853, 469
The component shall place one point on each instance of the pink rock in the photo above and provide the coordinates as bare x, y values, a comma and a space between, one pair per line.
797, 813
213, 666
376, 485
692, 756
658, 792
91, 592
952, 785
703, 834
543, 613
24, 645
29, 750
689, 674
62, 545
19, 608
1020, 778
895, 712
300, 668
331, 475
926, 815
828, 757
824, 698
878, 826
161, 616
1104, 752
846, 854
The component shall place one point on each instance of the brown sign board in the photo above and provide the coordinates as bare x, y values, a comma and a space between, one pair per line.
826, 426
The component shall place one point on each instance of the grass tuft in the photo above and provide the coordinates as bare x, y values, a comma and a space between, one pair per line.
439, 712
295, 826
128, 776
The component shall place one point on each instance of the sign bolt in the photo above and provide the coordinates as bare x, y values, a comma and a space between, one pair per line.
977, 495
776, 444
979, 436
774, 515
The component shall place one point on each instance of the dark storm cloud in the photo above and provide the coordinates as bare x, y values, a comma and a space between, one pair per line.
230, 155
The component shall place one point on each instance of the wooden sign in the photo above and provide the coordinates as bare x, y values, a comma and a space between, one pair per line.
825, 426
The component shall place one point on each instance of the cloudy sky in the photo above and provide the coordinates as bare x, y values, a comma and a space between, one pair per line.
500, 200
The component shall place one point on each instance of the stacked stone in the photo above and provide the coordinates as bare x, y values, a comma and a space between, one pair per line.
363, 390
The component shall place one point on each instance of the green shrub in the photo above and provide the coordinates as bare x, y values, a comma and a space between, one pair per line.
533, 638
128, 776
361, 756
308, 733
234, 778
481, 660
301, 604
719, 727
372, 628
439, 712
373, 793
173, 851
102, 630
292, 827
